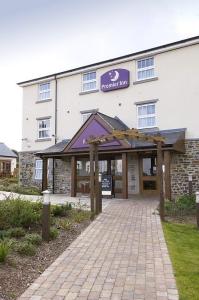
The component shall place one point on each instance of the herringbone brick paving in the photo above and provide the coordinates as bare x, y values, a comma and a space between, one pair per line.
121, 255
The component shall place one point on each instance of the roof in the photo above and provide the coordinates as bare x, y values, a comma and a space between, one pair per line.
114, 123
174, 138
112, 60
6, 152
57, 148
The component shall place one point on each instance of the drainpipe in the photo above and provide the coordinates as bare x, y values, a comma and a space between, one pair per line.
55, 132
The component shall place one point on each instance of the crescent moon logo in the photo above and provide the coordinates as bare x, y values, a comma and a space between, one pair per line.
115, 76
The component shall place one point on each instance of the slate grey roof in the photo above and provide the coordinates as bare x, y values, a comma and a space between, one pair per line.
6, 152
57, 148
171, 137
115, 123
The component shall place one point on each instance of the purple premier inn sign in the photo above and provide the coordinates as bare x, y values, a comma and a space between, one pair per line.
115, 79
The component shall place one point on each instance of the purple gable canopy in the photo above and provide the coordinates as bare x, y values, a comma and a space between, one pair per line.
94, 129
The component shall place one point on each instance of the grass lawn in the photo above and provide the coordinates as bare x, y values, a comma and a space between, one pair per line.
183, 244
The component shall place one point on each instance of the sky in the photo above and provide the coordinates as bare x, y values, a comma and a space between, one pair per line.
40, 37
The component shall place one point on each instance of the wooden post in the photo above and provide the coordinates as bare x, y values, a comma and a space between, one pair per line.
167, 163
124, 176
92, 179
46, 222
45, 174
197, 209
109, 166
97, 196
73, 176
160, 178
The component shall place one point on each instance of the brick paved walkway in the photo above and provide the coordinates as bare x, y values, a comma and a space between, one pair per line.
121, 255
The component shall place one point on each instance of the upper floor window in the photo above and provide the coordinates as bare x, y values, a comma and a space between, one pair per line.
44, 91
89, 81
43, 128
146, 115
85, 116
38, 169
145, 68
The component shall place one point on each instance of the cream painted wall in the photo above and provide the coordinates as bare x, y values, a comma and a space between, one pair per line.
33, 110
177, 91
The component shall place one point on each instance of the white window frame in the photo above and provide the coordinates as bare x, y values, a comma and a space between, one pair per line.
145, 68
89, 81
40, 168
85, 116
43, 129
146, 116
41, 92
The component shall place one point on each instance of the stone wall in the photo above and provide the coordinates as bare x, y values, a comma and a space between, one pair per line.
62, 178
183, 165
27, 169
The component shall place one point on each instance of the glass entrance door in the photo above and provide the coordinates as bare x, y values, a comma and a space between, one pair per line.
149, 174
108, 166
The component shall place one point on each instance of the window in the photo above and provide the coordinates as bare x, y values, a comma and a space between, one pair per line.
43, 128
44, 91
146, 117
38, 169
145, 68
89, 81
85, 117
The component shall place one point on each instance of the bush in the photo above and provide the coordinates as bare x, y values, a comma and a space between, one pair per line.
53, 233
4, 250
33, 238
184, 205
12, 185
19, 213
16, 232
80, 215
26, 248
61, 210
65, 224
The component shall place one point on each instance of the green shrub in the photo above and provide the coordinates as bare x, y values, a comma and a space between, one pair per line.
65, 224
19, 213
12, 185
3, 234
16, 232
184, 205
53, 233
33, 238
80, 215
26, 248
4, 250
61, 210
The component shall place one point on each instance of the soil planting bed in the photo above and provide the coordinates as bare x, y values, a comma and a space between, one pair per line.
17, 274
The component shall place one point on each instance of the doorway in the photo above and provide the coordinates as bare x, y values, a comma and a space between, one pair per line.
107, 166
148, 175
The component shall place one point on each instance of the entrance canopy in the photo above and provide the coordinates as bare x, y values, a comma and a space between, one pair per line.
100, 125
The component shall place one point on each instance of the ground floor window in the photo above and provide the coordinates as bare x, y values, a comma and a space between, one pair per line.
38, 169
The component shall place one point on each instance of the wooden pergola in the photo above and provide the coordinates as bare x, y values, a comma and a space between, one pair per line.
130, 134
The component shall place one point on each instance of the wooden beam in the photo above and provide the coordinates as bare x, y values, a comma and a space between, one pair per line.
160, 179
167, 175
97, 196
124, 176
92, 179
45, 174
73, 176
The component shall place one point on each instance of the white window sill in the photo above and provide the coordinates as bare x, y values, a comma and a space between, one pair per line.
44, 100
145, 80
145, 128
43, 140
88, 92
